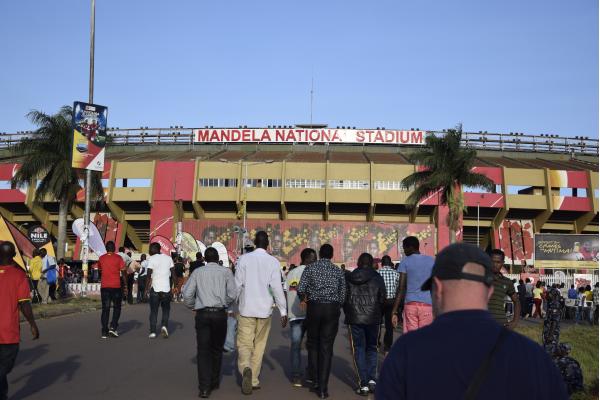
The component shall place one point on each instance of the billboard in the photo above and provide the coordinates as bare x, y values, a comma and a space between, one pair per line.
89, 136
289, 238
516, 241
566, 251
38, 236
301, 135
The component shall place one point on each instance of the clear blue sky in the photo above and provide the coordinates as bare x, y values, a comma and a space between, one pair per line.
513, 65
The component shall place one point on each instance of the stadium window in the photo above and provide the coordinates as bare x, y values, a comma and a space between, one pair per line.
105, 183
133, 183
4, 185
305, 184
217, 182
596, 193
525, 190
348, 184
389, 185
471, 189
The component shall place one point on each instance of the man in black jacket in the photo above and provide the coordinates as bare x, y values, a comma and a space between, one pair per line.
365, 297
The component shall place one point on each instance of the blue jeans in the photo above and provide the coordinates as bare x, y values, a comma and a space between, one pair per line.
297, 330
231, 329
363, 339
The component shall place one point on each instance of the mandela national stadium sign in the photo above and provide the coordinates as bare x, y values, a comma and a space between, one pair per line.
301, 135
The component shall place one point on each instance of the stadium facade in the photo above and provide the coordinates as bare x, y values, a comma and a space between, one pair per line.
308, 193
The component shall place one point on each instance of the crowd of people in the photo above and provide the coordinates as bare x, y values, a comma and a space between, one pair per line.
451, 308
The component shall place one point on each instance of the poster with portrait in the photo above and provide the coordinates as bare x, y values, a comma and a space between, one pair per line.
89, 136
289, 238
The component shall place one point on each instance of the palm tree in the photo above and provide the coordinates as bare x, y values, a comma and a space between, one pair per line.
445, 169
46, 156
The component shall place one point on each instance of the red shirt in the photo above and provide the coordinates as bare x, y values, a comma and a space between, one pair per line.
14, 288
111, 265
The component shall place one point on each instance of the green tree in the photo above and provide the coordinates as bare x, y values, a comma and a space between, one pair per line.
445, 167
45, 159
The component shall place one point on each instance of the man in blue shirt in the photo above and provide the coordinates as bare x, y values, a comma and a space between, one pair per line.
414, 270
465, 353
572, 293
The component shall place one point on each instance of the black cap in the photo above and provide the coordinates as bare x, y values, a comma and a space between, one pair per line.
449, 264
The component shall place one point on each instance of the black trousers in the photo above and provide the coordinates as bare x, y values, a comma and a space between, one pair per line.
388, 338
110, 296
141, 297
162, 299
322, 322
211, 328
8, 355
52, 290
130, 281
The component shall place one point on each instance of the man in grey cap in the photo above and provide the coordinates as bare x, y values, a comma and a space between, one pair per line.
465, 353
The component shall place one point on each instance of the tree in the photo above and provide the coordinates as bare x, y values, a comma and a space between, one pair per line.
445, 168
46, 157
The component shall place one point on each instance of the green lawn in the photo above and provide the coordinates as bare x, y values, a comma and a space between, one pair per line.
584, 342
72, 304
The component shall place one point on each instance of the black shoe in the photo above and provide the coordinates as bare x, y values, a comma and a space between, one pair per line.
315, 389
257, 387
323, 394
296, 381
214, 386
247, 381
204, 394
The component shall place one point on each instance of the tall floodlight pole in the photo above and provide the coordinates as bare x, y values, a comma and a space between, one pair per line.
477, 224
88, 173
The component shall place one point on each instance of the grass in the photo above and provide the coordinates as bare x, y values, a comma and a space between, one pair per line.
70, 304
584, 342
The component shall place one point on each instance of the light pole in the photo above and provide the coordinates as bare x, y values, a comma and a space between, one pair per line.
477, 224
245, 198
88, 172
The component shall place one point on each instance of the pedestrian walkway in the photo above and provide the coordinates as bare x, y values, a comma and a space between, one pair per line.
71, 361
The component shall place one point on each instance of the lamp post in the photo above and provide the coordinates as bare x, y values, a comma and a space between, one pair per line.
88, 173
477, 224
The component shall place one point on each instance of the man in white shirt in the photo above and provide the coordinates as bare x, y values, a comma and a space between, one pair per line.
160, 269
257, 272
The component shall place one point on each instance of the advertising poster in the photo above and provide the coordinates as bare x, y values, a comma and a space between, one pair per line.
166, 246
566, 251
38, 235
89, 136
582, 280
289, 238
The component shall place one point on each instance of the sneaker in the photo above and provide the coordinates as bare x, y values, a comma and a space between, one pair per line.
164, 332
247, 381
296, 381
152, 335
113, 333
363, 391
372, 385
104, 336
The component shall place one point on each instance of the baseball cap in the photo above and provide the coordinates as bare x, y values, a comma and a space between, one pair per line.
449, 264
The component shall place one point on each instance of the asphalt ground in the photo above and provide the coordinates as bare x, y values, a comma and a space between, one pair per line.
70, 361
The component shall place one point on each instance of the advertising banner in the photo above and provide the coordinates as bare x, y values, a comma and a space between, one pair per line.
7, 236
38, 235
89, 136
289, 238
166, 246
300, 135
566, 251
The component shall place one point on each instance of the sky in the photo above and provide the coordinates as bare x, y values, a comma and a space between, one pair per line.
500, 66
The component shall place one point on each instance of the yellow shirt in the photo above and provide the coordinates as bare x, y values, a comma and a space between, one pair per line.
589, 296
36, 268
537, 293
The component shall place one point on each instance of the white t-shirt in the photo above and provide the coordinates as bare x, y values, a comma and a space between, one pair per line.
161, 265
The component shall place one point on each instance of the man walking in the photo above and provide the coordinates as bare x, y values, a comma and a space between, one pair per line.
50, 274
256, 273
365, 298
297, 314
142, 273
465, 353
35, 269
129, 277
414, 270
503, 287
199, 262
158, 283
14, 296
323, 288
391, 277
209, 291
112, 283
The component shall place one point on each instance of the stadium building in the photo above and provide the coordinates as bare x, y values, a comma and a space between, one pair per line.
307, 186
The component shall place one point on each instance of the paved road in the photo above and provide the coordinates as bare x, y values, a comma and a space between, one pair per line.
71, 361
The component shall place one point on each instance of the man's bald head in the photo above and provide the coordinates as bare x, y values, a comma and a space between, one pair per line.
7, 253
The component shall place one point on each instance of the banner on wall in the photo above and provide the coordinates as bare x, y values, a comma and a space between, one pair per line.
516, 241
89, 136
7, 236
301, 135
289, 238
166, 246
566, 251
582, 280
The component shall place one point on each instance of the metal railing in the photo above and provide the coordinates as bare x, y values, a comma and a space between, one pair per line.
477, 140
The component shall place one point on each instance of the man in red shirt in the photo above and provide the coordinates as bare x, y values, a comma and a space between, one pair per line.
112, 285
14, 295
